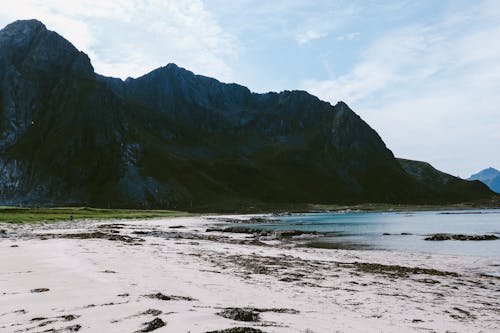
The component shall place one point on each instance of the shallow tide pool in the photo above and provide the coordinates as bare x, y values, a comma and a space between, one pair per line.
404, 231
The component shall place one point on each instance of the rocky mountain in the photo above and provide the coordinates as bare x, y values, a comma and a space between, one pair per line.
175, 139
440, 184
489, 176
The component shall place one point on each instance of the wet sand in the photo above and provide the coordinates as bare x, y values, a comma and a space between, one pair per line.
170, 275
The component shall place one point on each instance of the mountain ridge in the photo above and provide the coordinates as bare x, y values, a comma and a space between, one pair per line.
489, 176
171, 138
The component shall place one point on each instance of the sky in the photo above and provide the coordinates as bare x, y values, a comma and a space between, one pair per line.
424, 74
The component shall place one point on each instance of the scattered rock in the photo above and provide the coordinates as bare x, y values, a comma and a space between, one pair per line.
153, 325
277, 310
163, 297
69, 317
109, 271
111, 226
462, 314
141, 232
73, 328
45, 323
260, 270
97, 235
15, 245
428, 281
289, 279
443, 237
255, 242
240, 314
238, 330
261, 220
260, 232
40, 290
152, 312
237, 230
396, 270
123, 295
467, 313
294, 233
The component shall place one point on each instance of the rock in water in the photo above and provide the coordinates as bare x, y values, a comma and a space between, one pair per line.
442, 237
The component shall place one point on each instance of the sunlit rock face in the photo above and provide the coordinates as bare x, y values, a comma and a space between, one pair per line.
175, 139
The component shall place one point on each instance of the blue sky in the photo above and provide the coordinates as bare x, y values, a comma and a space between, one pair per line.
424, 74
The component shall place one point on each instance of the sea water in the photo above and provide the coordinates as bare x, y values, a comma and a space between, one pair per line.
402, 231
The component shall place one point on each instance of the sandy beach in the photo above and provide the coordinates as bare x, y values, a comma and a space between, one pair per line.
171, 275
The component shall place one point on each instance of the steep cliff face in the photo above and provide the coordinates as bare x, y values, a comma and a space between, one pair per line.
56, 133
174, 139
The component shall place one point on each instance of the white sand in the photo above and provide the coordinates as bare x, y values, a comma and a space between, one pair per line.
330, 294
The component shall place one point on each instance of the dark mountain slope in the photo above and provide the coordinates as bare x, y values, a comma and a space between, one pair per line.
174, 139
443, 185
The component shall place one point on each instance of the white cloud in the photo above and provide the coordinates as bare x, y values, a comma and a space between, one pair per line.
431, 91
316, 24
130, 38
309, 35
300, 20
410, 54
348, 36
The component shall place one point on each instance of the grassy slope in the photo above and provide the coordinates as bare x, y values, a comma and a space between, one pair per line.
32, 215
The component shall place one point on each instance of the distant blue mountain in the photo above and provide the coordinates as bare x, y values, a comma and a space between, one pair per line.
490, 177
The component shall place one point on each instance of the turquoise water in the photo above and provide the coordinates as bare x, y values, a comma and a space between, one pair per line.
356, 230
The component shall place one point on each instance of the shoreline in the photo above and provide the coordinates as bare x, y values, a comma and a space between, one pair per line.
19, 214
100, 274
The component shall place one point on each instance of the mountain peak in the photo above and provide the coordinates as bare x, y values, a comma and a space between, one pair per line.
25, 26
21, 33
30, 43
488, 173
490, 176
171, 65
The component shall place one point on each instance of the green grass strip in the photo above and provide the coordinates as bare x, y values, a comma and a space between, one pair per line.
34, 215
